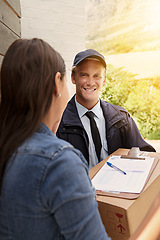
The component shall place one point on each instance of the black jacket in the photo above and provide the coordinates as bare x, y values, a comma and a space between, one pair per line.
121, 130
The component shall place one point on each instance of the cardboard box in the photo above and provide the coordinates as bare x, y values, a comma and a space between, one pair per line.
121, 217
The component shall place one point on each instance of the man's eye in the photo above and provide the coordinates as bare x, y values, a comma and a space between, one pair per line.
97, 76
83, 74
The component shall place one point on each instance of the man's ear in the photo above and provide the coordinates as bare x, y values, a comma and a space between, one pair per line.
73, 78
57, 81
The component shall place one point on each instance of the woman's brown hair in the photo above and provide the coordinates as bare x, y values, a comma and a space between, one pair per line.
27, 87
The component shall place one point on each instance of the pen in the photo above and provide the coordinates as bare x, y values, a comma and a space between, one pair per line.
118, 169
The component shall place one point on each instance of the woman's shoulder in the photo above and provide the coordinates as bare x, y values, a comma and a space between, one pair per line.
49, 146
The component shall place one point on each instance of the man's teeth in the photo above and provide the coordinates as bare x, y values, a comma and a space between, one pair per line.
90, 90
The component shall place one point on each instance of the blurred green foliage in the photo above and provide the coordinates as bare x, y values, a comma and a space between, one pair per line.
141, 97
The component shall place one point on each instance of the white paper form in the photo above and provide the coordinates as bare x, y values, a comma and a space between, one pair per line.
111, 180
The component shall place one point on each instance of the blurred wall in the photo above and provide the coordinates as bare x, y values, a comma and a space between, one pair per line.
60, 23
10, 24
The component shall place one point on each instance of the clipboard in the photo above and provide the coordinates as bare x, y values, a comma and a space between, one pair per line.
126, 195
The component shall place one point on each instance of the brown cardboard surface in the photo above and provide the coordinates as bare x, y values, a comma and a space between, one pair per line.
121, 217
149, 227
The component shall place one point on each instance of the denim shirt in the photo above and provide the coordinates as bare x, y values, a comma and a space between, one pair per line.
47, 193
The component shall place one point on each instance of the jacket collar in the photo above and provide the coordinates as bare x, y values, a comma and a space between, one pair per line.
71, 116
112, 113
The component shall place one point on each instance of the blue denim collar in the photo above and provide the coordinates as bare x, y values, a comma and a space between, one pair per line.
44, 129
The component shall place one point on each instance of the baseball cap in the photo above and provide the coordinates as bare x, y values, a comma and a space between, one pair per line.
89, 53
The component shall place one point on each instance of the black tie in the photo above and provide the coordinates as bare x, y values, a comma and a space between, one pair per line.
95, 134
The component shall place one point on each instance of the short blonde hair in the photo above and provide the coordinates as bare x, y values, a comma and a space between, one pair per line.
88, 58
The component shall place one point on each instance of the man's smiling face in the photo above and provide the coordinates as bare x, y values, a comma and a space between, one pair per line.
89, 78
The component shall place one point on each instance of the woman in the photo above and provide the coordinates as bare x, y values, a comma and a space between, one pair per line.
45, 189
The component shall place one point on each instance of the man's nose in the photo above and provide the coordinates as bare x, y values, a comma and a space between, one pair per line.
90, 80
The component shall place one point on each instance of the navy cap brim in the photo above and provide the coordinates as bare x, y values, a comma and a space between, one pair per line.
89, 53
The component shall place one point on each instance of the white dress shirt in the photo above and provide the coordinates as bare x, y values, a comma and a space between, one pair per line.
100, 121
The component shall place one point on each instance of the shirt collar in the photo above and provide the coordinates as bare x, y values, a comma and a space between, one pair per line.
44, 129
82, 110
